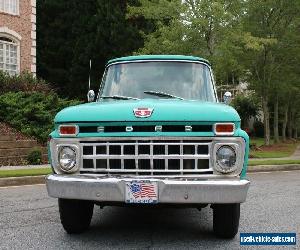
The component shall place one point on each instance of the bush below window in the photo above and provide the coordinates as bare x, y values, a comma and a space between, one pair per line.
24, 82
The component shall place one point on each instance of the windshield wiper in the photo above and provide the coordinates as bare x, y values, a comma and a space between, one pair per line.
162, 94
119, 97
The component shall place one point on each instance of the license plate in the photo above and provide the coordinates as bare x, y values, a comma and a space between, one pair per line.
144, 192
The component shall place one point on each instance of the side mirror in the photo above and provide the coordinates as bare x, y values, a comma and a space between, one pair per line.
227, 97
91, 95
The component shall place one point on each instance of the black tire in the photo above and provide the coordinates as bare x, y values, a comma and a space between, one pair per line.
75, 215
226, 219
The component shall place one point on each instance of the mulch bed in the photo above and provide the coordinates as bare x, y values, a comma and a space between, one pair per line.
5, 129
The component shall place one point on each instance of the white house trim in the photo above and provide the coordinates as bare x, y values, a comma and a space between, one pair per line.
33, 36
10, 33
6, 32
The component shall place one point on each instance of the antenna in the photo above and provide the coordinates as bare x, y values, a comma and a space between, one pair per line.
90, 74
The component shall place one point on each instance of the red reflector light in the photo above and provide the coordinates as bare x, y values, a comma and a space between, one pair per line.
68, 130
226, 128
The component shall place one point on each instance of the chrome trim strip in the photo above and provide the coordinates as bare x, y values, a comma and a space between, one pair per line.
134, 138
157, 60
143, 143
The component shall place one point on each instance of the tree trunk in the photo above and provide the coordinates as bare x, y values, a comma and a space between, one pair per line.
276, 134
290, 124
266, 120
296, 133
284, 123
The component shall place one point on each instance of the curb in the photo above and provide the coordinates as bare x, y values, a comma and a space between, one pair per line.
40, 179
20, 181
265, 168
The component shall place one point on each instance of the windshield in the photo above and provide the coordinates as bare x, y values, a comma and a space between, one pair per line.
187, 80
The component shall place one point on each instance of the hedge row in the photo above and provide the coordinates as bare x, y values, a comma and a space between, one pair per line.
32, 113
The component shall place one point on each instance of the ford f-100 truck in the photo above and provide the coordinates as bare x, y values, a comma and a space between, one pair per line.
154, 135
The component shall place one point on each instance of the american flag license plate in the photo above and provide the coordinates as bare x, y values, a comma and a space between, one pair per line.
143, 192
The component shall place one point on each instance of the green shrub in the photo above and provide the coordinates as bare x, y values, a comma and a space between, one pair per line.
25, 82
35, 156
32, 113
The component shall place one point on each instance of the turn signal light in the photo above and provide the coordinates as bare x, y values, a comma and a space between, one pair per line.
68, 130
224, 128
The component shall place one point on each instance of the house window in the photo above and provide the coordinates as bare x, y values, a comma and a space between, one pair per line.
8, 55
10, 6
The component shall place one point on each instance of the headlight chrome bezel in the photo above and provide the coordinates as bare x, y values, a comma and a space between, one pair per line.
55, 151
239, 150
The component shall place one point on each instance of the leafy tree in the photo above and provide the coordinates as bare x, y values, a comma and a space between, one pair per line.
267, 23
247, 40
247, 107
73, 32
194, 27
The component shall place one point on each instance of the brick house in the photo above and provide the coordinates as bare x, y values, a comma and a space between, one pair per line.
18, 36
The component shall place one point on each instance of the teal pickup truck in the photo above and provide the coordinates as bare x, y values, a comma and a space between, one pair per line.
156, 134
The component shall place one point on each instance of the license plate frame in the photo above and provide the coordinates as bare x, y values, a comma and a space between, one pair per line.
141, 192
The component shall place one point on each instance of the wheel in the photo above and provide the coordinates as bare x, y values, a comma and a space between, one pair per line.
75, 215
226, 219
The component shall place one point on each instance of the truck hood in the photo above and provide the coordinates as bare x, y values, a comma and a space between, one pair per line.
163, 110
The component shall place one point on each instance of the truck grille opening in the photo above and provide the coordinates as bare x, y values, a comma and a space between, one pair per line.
146, 157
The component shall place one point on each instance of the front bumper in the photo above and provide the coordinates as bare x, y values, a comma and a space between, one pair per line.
112, 189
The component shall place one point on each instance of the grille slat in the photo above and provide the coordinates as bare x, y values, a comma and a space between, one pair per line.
94, 160
189, 171
151, 155
146, 157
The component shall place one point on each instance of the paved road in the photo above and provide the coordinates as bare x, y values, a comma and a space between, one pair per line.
30, 220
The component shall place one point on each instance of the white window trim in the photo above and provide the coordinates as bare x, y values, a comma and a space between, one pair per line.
10, 34
17, 13
7, 46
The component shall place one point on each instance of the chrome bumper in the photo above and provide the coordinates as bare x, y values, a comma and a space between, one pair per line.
105, 189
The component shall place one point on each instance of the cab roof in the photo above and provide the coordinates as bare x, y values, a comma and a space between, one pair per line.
157, 57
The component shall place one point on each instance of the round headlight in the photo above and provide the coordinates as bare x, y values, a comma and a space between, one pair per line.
226, 159
67, 158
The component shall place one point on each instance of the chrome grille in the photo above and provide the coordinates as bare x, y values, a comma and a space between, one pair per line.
146, 157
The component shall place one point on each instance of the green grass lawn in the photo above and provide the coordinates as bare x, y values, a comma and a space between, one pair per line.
274, 151
258, 141
24, 172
